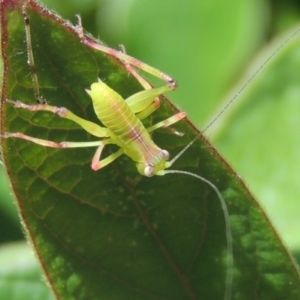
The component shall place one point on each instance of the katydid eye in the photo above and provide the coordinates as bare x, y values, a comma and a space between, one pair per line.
165, 154
149, 171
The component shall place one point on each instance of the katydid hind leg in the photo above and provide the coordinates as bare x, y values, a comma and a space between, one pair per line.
141, 100
148, 111
144, 83
124, 57
144, 107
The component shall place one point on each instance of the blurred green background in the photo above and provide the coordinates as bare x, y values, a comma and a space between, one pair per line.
207, 46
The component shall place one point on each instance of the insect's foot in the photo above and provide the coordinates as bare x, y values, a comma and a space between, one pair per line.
18, 104
176, 132
172, 83
15, 103
9, 101
10, 134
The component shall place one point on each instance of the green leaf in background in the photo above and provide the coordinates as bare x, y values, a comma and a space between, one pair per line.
113, 234
20, 274
203, 44
263, 127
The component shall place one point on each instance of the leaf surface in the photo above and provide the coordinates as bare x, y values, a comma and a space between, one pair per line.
114, 234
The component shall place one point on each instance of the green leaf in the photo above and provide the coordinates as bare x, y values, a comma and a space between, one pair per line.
113, 234
20, 274
265, 122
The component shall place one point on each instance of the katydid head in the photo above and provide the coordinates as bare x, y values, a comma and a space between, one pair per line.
157, 164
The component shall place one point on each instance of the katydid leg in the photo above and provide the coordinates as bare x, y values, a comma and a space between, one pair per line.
63, 112
98, 164
52, 144
124, 57
167, 122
